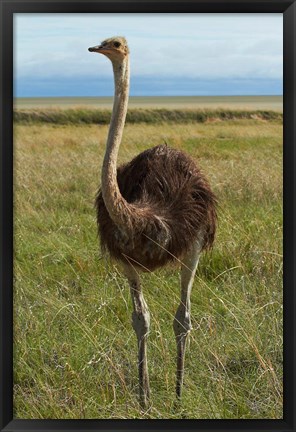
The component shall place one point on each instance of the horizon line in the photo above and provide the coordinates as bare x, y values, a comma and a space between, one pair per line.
151, 96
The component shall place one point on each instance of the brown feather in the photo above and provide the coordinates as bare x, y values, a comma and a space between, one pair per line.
175, 198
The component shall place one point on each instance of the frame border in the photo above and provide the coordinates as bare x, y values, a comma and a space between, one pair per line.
7, 8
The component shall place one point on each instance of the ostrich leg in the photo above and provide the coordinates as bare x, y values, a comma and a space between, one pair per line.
141, 324
182, 322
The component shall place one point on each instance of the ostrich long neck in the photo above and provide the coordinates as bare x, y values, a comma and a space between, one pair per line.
118, 208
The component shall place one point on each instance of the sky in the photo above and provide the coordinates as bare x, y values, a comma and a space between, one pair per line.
171, 54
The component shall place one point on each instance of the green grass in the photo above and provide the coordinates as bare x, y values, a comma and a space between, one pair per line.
141, 115
75, 350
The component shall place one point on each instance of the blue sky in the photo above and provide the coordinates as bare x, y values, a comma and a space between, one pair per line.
171, 54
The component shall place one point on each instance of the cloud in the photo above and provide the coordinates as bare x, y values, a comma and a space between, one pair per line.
183, 46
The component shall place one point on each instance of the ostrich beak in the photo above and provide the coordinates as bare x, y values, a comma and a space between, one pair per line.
95, 48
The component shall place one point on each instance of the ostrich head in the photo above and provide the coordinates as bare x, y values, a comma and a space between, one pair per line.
114, 48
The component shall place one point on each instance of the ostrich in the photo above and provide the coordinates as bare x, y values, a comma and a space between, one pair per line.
152, 211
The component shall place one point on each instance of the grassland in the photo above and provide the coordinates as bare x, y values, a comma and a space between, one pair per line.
141, 115
75, 351
250, 103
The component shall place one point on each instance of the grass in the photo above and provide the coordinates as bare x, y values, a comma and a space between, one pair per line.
75, 350
64, 116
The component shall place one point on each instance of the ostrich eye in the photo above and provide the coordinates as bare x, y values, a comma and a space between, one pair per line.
117, 44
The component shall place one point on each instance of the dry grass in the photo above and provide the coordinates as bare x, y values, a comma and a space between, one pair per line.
249, 103
75, 351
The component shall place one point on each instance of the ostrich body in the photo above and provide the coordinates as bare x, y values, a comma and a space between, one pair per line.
156, 209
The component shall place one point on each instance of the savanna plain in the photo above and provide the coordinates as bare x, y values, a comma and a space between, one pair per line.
75, 352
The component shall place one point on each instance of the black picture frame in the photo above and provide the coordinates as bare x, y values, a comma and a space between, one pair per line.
7, 9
